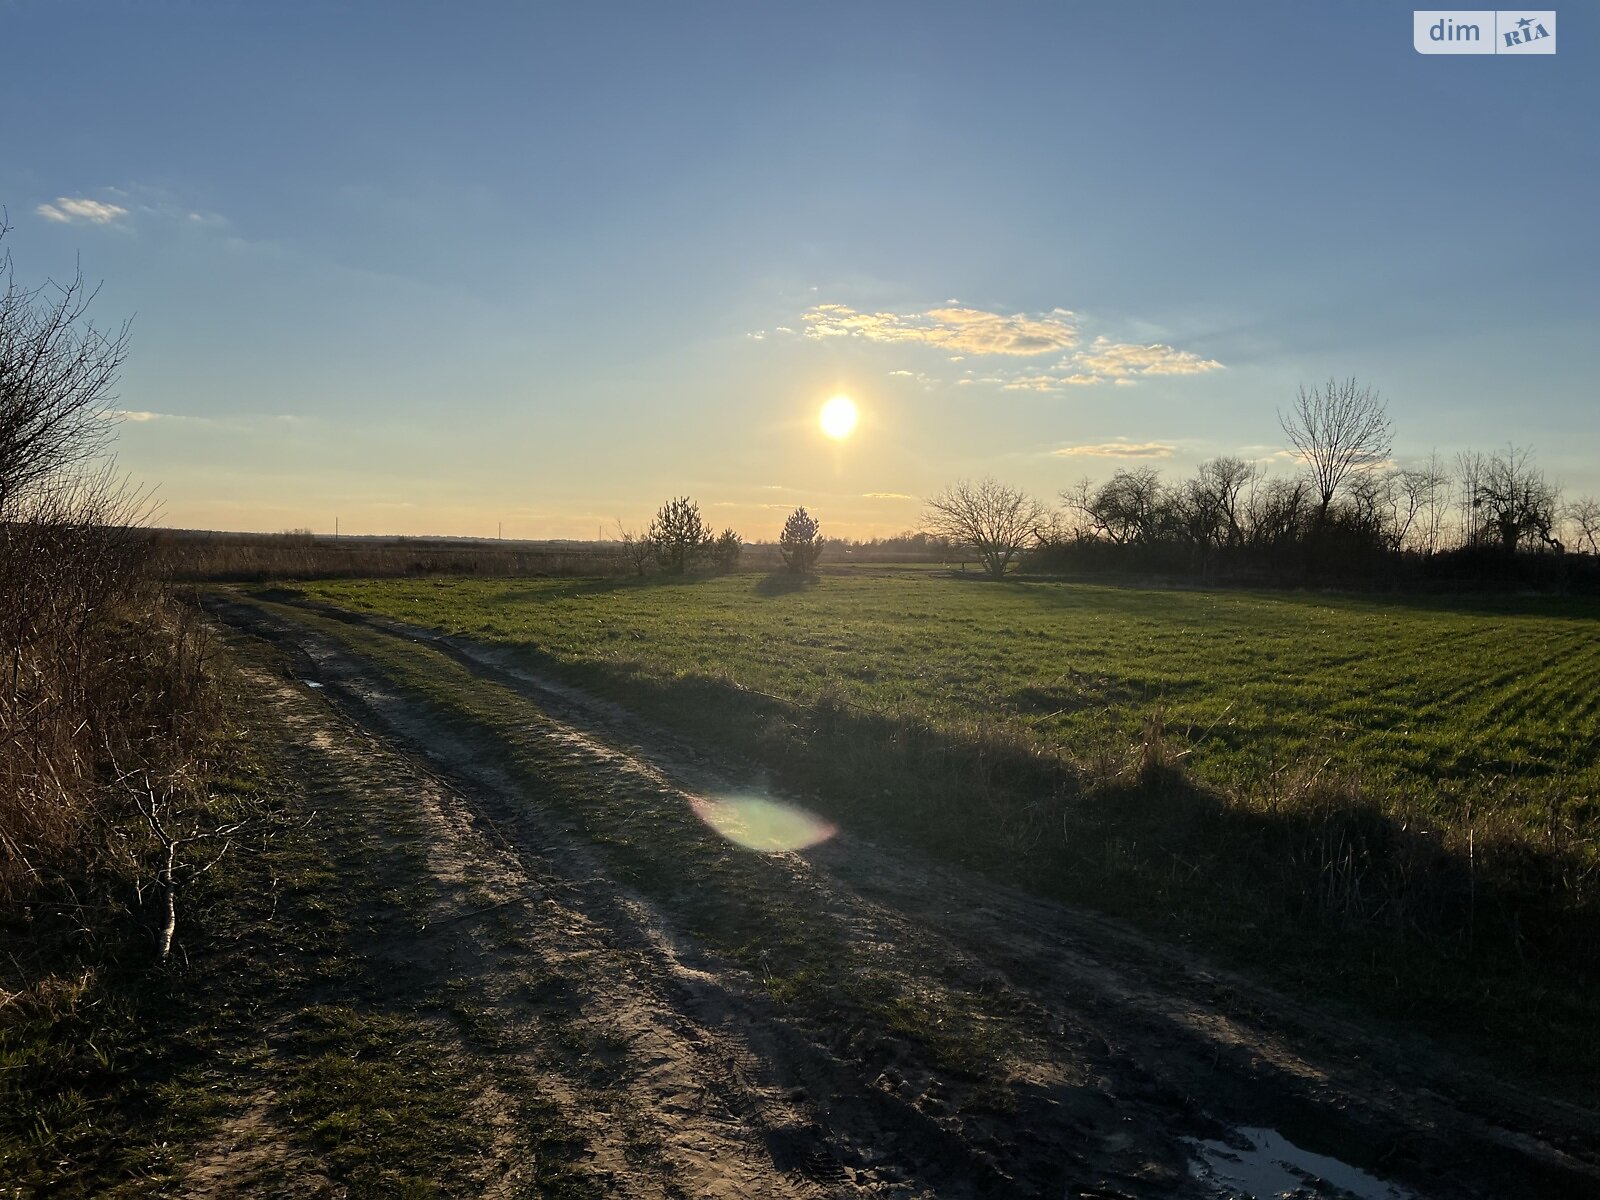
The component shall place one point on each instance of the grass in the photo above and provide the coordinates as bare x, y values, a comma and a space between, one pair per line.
1392, 802
1436, 701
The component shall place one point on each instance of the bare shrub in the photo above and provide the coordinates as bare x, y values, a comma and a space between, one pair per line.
57, 372
638, 551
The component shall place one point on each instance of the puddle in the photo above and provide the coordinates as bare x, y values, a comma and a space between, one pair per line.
760, 823
311, 683
1265, 1165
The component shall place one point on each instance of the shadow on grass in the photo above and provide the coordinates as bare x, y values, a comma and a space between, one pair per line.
1142, 592
783, 583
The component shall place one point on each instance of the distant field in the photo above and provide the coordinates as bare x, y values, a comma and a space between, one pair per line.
1433, 701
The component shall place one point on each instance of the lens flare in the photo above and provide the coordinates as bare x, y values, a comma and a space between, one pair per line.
759, 823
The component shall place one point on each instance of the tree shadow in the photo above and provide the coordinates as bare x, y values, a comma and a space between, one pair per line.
783, 583
573, 588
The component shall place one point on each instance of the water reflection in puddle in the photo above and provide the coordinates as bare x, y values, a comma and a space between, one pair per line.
1265, 1165
311, 683
761, 823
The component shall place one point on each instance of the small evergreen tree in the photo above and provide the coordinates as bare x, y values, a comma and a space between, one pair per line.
800, 543
725, 553
679, 535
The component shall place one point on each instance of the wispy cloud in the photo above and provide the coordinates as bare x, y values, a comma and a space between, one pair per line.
68, 209
968, 330
1118, 449
1031, 383
241, 422
1106, 359
960, 331
886, 496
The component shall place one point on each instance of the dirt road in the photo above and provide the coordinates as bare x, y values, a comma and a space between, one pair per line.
703, 1019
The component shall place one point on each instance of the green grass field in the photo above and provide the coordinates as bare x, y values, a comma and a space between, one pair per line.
1399, 794
1434, 702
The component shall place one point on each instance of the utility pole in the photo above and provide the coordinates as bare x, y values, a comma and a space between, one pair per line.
499, 526
335, 526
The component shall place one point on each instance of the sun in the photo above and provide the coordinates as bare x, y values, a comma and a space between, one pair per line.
839, 417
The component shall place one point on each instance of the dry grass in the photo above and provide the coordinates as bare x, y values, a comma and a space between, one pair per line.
258, 558
104, 699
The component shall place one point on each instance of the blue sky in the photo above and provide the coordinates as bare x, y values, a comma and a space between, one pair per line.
430, 268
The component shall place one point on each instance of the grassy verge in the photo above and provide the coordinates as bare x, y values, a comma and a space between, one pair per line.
1389, 804
276, 1039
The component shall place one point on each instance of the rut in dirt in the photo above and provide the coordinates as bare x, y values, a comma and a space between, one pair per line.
1084, 1061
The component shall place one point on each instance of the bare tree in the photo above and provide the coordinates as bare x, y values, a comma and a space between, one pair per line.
638, 551
57, 372
1277, 511
1583, 514
1224, 480
1427, 491
1126, 509
1515, 503
994, 521
1339, 430
1471, 466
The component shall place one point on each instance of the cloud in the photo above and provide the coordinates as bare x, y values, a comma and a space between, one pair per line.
1118, 449
968, 330
1106, 359
961, 331
1033, 383
237, 422
886, 496
67, 209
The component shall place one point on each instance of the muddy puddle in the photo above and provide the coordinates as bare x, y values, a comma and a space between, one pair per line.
1262, 1164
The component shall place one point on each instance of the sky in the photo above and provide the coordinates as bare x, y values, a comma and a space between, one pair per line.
537, 268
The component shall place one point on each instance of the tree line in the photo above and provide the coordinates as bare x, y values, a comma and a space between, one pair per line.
1347, 512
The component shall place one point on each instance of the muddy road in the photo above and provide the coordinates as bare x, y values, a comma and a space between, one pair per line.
707, 1018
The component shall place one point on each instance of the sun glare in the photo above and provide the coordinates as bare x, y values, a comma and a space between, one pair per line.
839, 417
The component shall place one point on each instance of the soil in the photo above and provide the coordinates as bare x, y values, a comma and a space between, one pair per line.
683, 1069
